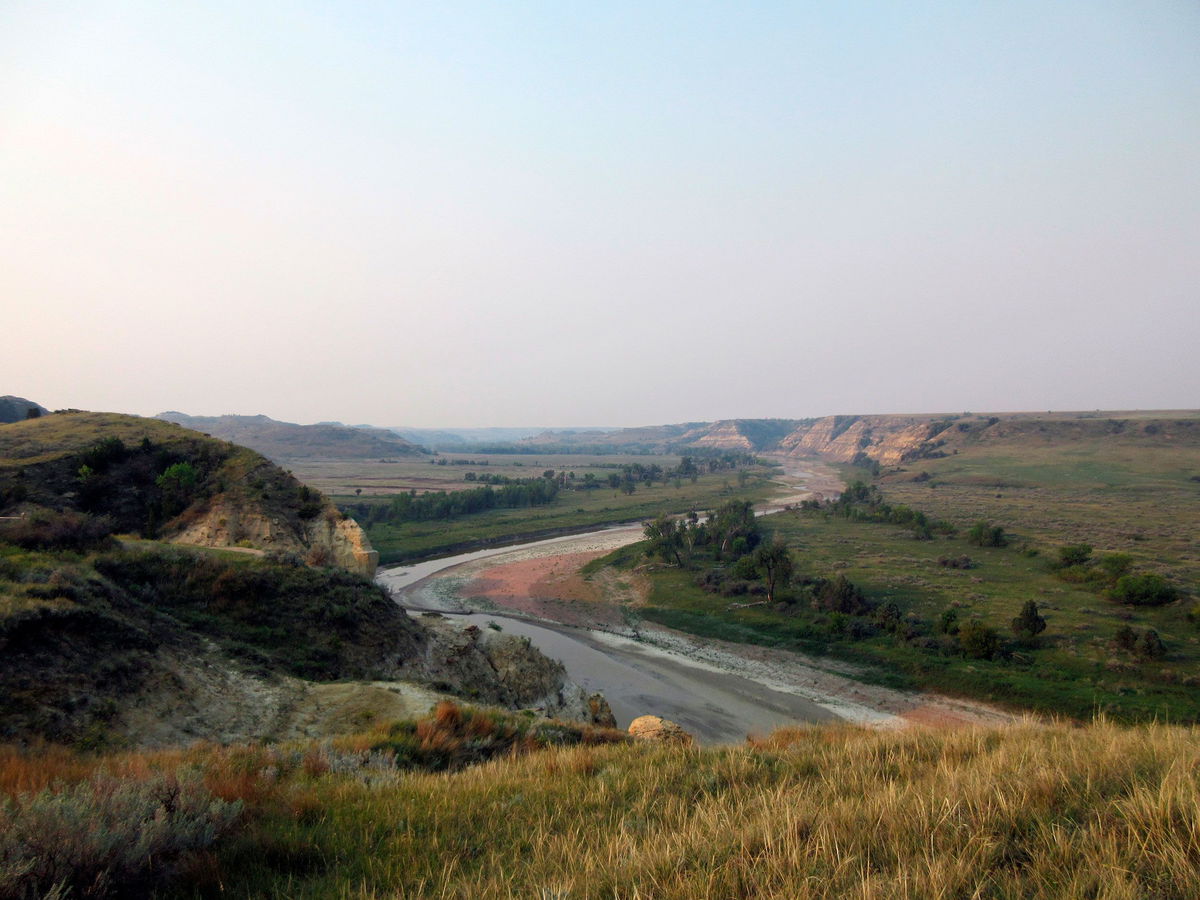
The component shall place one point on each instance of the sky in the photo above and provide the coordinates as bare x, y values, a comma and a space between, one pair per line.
620, 213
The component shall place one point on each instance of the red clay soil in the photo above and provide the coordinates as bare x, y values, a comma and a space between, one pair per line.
549, 587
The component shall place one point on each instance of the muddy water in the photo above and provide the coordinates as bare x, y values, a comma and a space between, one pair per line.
637, 680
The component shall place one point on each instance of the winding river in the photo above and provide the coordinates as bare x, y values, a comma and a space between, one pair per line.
636, 677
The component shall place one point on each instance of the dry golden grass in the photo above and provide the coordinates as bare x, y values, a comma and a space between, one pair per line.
1026, 811
1030, 810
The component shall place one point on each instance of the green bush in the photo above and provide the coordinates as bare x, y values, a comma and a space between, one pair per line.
978, 641
1144, 590
1075, 555
985, 534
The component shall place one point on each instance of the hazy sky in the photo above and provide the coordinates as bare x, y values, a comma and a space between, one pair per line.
605, 213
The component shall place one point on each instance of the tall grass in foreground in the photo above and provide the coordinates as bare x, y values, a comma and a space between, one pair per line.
1026, 811
1029, 810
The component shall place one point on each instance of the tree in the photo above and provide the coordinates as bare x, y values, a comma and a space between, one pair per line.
1028, 625
666, 539
774, 562
176, 484
733, 520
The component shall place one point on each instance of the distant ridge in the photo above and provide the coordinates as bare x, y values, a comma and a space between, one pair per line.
468, 438
282, 441
16, 409
885, 439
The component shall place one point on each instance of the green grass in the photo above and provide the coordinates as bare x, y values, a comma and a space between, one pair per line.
1118, 493
1138, 499
571, 510
1073, 671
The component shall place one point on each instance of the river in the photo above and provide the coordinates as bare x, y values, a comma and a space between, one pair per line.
636, 677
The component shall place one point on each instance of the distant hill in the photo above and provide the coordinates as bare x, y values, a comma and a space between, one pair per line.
17, 409
283, 441
468, 438
885, 439
729, 434
892, 440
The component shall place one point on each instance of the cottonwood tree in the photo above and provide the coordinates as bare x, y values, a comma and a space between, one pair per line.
774, 562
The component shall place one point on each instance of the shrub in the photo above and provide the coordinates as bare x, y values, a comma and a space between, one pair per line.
47, 530
955, 562
1144, 590
106, 837
978, 641
1114, 565
948, 622
839, 595
1028, 625
454, 737
985, 534
1151, 646
1075, 555
1125, 639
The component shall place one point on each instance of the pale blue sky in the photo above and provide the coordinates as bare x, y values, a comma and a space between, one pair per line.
619, 213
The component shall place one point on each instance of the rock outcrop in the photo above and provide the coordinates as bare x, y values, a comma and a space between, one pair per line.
663, 731
895, 440
328, 539
888, 440
503, 669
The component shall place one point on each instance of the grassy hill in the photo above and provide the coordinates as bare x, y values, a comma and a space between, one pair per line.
92, 625
152, 478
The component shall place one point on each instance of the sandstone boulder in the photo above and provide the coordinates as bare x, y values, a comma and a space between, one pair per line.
654, 728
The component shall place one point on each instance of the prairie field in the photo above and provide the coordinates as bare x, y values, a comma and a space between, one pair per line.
341, 478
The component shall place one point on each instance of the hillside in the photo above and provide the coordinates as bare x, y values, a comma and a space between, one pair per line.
160, 480
143, 640
283, 441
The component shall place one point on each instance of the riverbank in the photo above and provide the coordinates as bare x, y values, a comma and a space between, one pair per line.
537, 590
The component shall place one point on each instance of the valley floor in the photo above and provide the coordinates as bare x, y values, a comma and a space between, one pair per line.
719, 690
